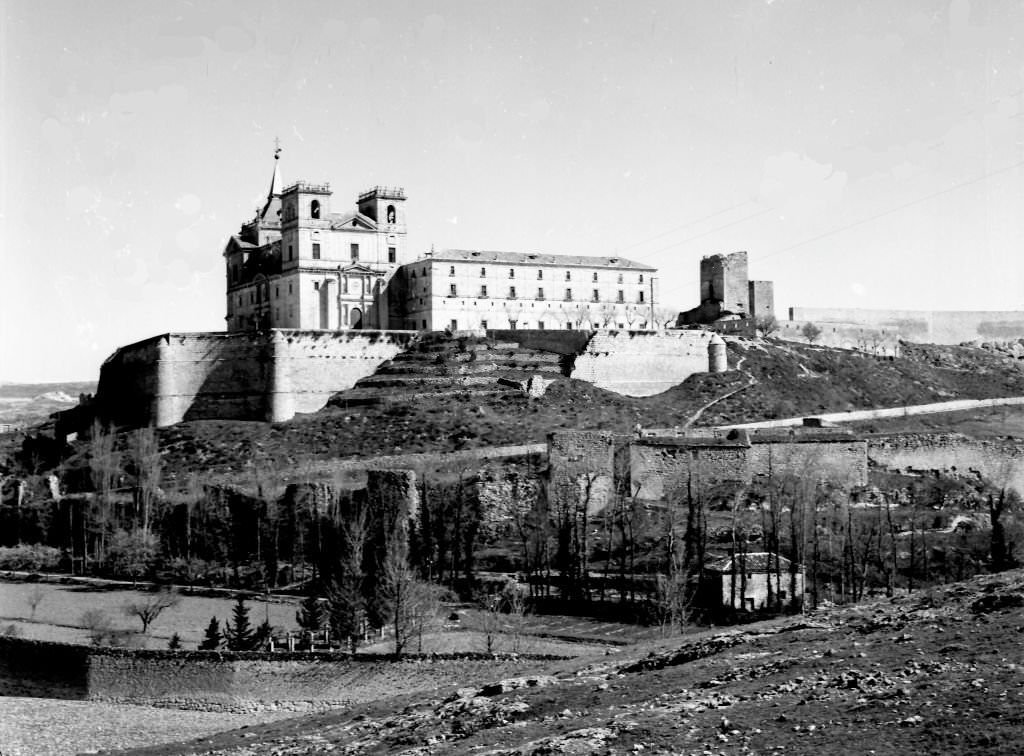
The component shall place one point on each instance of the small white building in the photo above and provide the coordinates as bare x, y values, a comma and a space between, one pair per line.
744, 581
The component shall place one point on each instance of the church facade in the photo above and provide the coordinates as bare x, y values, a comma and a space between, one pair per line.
299, 265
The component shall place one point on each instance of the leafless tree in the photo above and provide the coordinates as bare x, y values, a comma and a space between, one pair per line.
144, 450
151, 606
664, 316
766, 324
104, 469
34, 599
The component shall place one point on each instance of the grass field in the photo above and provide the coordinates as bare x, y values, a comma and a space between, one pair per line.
58, 618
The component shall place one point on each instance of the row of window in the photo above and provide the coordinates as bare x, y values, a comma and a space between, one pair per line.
513, 325
353, 251
594, 297
540, 274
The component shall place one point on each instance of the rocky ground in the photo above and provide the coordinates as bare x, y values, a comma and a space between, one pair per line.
938, 671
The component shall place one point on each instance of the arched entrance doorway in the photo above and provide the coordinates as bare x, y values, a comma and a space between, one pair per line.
355, 318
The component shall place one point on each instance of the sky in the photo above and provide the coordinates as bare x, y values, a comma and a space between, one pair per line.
865, 154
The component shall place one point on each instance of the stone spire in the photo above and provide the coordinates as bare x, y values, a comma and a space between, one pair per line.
273, 202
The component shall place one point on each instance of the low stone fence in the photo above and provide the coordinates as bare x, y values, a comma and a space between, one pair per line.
237, 681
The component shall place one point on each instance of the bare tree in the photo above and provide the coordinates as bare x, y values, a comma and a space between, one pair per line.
148, 608
607, 313
34, 599
144, 449
664, 316
104, 469
766, 324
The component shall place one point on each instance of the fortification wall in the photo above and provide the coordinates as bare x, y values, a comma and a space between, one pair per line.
883, 341
843, 462
245, 376
225, 681
925, 326
664, 469
642, 363
581, 469
1001, 461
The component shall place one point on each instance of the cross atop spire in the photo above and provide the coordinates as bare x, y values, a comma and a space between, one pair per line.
277, 148
275, 184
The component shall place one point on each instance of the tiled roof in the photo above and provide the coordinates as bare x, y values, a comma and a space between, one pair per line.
536, 258
755, 561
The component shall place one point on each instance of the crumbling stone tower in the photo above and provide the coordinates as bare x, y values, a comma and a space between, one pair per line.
723, 278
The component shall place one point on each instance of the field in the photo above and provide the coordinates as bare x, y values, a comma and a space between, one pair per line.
58, 618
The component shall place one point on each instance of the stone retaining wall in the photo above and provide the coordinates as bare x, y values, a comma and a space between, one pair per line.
226, 681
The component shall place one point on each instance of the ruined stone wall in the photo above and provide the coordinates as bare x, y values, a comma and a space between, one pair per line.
245, 376
843, 462
664, 468
642, 363
581, 469
924, 326
226, 681
1001, 461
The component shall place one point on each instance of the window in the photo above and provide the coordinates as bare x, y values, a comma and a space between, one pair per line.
289, 288
277, 292
316, 250
568, 275
354, 250
621, 297
483, 291
239, 300
454, 324
568, 295
511, 292
511, 272
316, 286
483, 272
622, 326
451, 271
512, 323
641, 278
483, 324
641, 297
390, 214
392, 254
540, 325
451, 291
595, 276
290, 255
540, 293
314, 209
540, 274
568, 326
424, 324
596, 296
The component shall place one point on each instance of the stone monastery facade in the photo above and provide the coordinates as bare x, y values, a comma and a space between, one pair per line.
299, 265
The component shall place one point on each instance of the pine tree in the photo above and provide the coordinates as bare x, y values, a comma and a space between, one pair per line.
239, 633
262, 636
175, 642
312, 614
212, 638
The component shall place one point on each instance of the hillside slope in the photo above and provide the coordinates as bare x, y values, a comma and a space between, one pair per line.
934, 672
791, 379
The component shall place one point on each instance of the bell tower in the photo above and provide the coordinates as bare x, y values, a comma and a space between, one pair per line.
386, 205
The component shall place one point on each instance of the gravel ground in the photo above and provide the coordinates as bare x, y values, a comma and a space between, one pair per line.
47, 727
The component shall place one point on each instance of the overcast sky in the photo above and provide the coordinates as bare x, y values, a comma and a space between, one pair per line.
866, 154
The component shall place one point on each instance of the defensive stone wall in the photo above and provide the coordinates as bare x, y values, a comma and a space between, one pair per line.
924, 326
1000, 461
227, 681
246, 376
582, 469
643, 363
664, 467
843, 461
